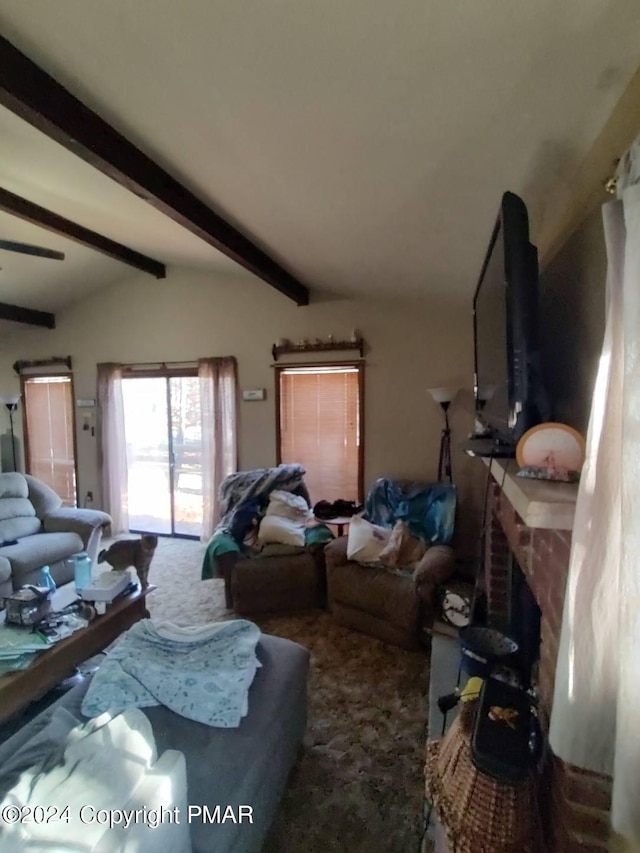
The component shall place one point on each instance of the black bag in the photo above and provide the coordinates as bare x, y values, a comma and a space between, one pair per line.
326, 511
504, 733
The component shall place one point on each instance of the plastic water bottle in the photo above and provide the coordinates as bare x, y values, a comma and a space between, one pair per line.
47, 581
82, 570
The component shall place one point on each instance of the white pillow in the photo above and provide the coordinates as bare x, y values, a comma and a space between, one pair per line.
276, 528
366, 540
288, 505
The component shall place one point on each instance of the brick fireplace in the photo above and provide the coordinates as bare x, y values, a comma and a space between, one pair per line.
530, 521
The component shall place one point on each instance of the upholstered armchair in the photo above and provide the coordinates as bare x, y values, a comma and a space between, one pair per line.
395, 604
259, 583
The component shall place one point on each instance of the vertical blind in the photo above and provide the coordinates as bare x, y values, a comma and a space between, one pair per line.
50, 451
319, 427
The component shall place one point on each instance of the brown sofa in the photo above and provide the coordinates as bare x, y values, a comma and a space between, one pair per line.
391, 605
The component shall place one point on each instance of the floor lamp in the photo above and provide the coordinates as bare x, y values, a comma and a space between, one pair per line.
12, 404
444, 397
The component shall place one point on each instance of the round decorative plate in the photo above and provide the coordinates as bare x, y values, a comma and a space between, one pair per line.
552, 446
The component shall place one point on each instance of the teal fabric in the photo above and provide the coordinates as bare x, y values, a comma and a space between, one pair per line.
223, 542
220, 543
318, 535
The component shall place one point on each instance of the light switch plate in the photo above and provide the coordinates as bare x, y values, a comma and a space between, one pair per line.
253, 394
85, 404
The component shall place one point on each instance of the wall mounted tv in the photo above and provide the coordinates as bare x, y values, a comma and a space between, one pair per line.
508, 387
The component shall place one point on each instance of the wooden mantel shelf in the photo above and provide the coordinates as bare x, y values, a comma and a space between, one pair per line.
539, 503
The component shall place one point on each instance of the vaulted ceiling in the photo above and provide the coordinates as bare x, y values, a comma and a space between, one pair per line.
362, 145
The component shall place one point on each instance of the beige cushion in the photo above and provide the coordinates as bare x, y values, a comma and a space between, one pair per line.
403, 549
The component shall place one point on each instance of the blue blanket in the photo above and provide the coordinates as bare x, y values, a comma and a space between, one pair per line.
202, 673
428, 510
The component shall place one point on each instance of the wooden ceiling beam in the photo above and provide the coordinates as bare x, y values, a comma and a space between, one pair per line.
35, 96
27, 315
30, 212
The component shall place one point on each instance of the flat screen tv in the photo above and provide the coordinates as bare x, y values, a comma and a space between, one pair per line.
508, 387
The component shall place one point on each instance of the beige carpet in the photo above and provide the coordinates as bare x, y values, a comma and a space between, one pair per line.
358, 786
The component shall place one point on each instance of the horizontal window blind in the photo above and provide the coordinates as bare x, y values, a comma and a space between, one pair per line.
49, 416
320, 428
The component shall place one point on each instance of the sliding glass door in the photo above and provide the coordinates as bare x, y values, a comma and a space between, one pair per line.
164, 454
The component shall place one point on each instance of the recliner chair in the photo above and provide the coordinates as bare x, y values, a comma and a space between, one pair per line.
390, 604
272, 584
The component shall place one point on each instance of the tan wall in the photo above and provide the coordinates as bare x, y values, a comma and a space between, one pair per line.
410, 347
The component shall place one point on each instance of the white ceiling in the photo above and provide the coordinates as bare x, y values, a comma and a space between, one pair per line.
364, 144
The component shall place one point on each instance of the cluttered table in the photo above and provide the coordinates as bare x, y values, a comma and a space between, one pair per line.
45, 663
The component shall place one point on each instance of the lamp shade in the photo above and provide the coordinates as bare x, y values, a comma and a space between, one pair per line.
10, 400
443, 395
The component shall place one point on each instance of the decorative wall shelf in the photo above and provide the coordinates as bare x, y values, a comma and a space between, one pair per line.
322, 346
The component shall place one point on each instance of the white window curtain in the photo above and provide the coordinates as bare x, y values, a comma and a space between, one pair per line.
595, 721
218, 395
112, 448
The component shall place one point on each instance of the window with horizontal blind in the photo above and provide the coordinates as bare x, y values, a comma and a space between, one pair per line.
50, 433
320, 425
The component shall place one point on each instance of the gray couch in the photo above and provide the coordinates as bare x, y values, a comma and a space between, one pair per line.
248, 765
36, 531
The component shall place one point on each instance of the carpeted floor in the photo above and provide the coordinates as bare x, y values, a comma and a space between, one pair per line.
359, 783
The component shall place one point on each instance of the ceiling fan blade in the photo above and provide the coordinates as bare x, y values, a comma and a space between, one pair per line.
28, 249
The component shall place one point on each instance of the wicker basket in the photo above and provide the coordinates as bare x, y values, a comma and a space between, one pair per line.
479, 814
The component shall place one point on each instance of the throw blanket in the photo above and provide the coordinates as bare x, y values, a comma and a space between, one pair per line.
429, 511
245, 490
258, 483
106, 766
202, 673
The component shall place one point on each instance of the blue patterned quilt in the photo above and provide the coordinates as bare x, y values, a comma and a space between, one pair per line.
201, 672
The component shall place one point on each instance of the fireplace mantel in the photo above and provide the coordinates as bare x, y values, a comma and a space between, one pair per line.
531, 521
539, 503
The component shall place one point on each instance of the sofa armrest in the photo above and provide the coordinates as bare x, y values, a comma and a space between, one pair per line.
74, 520
434, 568
335, 552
